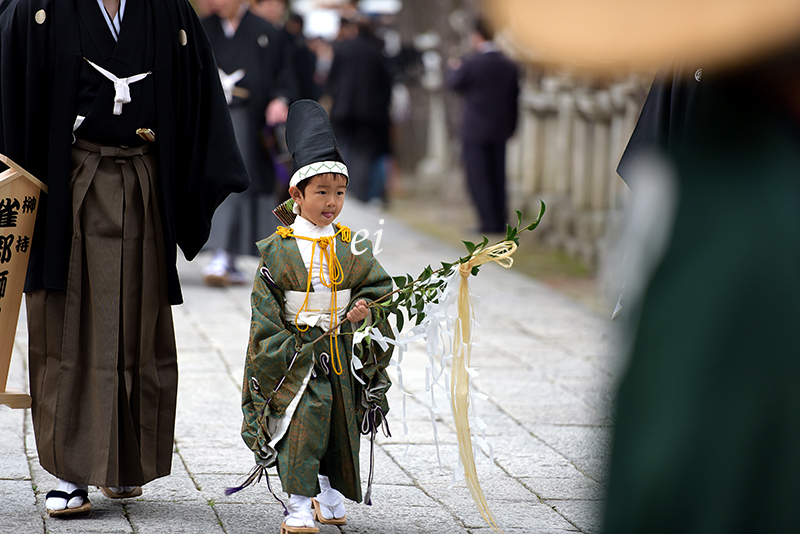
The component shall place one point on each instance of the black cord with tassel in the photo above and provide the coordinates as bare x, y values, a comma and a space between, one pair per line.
254, 477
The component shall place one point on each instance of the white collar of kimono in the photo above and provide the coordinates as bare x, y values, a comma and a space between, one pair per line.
228, 27
114, 25
488, 46
306, 228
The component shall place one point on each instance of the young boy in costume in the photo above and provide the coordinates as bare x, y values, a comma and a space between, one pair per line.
308, 393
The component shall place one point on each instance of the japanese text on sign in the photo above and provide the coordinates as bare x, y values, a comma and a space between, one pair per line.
11, 242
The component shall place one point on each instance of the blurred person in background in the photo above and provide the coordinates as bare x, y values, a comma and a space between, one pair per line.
303, 65
304, 59
360, 86
257, 79
488, 83
290, 28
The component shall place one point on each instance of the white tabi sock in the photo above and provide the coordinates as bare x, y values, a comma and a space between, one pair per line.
57, 503
300, 514
121, 489
330, 500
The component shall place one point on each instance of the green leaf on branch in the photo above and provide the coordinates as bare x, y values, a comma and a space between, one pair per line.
511, 234
407, 303
419, 307
426, 274
534, 224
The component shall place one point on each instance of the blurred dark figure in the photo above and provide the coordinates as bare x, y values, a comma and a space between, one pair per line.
258, 85
290, 26
303, 59
360, 87
273, 11
301, 62
488, 83
670, 110
707, 428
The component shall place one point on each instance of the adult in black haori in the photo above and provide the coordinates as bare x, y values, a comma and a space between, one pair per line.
118, 108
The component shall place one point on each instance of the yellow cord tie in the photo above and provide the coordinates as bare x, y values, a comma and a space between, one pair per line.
327, 256
284, 232
459, 378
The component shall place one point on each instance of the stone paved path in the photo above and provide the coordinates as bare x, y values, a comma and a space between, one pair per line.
544, 362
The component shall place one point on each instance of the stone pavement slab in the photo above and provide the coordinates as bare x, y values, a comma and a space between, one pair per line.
543, 360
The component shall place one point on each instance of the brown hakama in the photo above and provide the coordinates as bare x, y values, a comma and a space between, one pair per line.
103, 362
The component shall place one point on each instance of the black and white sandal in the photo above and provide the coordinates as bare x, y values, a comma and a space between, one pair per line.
83, 509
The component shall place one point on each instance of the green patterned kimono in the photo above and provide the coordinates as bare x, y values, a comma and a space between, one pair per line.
285, 377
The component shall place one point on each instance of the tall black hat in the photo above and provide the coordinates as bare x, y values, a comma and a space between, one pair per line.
310, 139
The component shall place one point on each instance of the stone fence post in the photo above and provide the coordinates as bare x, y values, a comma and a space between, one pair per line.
569, 139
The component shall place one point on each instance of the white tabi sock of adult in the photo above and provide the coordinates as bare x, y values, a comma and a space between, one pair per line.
57, 503
218, 265
300, 514
121, 489
330, 500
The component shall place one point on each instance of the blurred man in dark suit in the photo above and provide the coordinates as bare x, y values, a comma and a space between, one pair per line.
488, 83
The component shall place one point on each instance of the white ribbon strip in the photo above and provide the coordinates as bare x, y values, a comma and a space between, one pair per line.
122, 90
436, 330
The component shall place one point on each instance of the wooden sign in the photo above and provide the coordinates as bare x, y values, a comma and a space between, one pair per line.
19, 197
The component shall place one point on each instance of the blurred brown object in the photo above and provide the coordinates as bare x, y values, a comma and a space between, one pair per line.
612, 35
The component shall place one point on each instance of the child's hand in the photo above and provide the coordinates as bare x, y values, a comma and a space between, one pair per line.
359, 312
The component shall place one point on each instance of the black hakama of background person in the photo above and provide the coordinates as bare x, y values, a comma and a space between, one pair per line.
258, 49
102, 271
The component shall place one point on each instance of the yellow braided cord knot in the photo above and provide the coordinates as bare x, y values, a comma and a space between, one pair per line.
345, 233
327, 253
499, 253
284, 232
323, 242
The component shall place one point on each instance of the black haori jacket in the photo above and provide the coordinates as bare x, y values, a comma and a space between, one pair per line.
199, 161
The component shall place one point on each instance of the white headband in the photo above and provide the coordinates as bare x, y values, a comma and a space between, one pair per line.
320, 167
